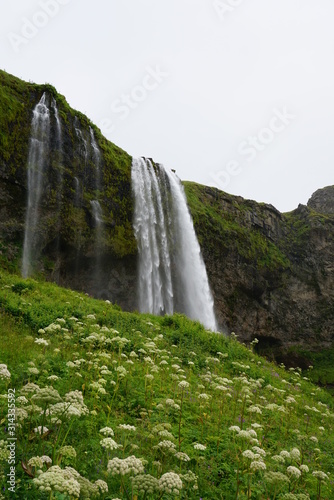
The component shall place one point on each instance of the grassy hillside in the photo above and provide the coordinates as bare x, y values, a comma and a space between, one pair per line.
149, 407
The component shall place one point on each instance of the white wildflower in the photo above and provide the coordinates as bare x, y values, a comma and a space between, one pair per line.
125, 466
107, 431
170, 483
322, 476
109, 444
258, 465
199, 446
293, 471
127, 427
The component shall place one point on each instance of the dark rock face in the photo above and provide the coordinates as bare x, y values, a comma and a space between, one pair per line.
322, 201
272, 274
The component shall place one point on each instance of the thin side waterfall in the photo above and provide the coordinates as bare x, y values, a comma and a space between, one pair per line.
59, 166
77, 197
97, 210
96, 159
58, 126
83, 142
37, 162
172, 275
98, 221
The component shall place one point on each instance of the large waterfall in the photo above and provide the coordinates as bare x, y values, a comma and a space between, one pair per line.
172, 274
37, 161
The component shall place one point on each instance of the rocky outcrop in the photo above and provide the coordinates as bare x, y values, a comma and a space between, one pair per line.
272, 274
322, 201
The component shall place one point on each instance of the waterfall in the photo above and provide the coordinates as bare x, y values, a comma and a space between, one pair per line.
77, 197
97, 210
58, 126
98, 220
172, 275
59, 167
37, 162
96, 159
83, 142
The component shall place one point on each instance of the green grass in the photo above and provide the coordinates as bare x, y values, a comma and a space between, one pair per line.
128, 369
214, 225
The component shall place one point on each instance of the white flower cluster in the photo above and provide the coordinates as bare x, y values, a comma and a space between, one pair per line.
52, 328
4, 372
107, 431
41, 341
109, 444
171, 403
293, 471
102, 486
166, 445
199, 446
258, 465
72, 407
145, 484
127, 427
182, 456
47, 395
320, 475
125, 466
36, 462
57, 479
166, 434
74, 397
41, 429
276, 478
170, 483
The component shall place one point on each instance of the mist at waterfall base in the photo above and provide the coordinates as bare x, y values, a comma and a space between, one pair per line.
171, 272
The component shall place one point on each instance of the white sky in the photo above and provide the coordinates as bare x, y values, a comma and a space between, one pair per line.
230, 73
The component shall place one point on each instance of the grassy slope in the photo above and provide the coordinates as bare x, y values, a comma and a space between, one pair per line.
228, 385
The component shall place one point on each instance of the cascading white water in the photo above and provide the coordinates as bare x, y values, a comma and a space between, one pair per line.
172, 274
83, 145
59, 166
37, 161
155, 280
96, 158
97, 212
77, 198
98, 220
58, 126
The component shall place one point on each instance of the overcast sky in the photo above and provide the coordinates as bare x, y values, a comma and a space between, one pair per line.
236, 94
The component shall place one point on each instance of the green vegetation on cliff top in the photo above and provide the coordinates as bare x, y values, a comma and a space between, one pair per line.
150, 407
222, 229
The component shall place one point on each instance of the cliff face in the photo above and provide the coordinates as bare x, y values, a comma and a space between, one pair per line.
66, 227
272, 274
